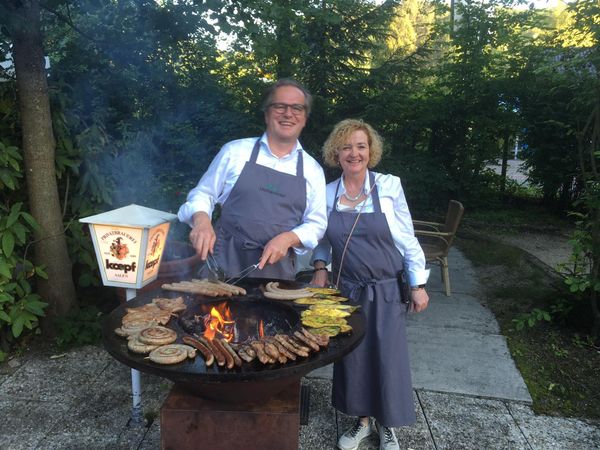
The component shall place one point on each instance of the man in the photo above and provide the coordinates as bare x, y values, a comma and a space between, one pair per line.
271, 192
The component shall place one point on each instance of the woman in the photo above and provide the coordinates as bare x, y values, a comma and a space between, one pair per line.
373, 381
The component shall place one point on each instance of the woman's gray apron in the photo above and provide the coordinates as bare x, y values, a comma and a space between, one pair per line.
262, 204
373, 380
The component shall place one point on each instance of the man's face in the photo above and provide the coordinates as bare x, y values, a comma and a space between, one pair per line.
286, 115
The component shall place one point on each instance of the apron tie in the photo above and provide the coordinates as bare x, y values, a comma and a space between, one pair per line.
369, 285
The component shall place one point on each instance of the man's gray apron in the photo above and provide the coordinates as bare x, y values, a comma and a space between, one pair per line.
262, 204
373, 380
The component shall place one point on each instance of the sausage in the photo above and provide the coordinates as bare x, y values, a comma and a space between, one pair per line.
306, 340
218, 355
228, 358
209, 358
273, 286
236, 359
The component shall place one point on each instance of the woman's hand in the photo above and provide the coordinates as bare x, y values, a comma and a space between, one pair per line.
320, 278
418, 300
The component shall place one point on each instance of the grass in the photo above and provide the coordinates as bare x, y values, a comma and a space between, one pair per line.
558, 362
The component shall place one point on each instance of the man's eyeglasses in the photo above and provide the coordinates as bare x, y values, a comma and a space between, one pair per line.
281, 108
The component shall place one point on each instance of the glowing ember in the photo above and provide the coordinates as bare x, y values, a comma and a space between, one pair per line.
261, 329
219, 323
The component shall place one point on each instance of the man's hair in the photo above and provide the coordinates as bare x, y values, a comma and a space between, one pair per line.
270, 92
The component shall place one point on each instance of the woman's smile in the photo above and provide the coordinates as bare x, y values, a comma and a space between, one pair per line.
354, 155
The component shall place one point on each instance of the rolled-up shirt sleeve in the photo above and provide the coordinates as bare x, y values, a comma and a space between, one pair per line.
314, 220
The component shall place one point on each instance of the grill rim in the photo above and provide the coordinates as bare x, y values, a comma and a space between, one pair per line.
187, 372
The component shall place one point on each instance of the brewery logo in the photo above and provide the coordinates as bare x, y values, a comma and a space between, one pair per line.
118, 249
156, 244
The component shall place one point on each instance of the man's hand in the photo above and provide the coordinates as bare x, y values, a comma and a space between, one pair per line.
202, 235
418, 300
278, 247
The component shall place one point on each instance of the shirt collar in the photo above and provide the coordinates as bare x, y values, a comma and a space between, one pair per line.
265, 145
366, 187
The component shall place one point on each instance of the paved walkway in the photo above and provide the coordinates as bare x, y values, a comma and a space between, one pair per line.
468, 392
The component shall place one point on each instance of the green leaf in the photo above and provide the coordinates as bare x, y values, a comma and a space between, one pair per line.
41, 272
20, 232
17, 326
5, 317
8, 243
7, 179
36, 307
30, 220
14, 214
4, 269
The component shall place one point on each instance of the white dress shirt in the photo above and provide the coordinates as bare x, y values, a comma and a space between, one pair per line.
222, 174
394, 206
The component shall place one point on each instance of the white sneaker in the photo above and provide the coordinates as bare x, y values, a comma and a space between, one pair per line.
387, 438
352, 438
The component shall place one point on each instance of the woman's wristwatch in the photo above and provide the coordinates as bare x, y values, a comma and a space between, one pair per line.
416, 288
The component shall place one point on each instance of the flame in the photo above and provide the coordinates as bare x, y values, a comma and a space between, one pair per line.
261, 329
219, 323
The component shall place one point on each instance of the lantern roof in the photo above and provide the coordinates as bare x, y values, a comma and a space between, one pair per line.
131, 216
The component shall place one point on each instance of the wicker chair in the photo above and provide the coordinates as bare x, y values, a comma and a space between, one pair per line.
436, 238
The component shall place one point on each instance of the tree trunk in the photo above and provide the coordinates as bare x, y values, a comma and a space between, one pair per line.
504, 163
38, 151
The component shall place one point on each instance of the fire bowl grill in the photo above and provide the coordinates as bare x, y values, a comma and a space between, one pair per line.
252, 381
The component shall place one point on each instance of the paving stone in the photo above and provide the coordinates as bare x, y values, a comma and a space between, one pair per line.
84, 440
443, 360
59, 379
555, 432
25, 423
151, 440
463, 313
461, 422
321, 431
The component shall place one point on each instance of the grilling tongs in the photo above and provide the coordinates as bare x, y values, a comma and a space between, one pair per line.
215, 271
243, 274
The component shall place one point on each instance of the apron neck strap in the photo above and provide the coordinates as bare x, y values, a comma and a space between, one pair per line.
374, 193
255, 150
299, 164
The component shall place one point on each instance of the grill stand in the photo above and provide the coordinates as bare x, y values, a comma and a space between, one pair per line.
137, 418
191, 422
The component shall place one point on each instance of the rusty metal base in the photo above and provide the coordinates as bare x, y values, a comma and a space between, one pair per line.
192, 422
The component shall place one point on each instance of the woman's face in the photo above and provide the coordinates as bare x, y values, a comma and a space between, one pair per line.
354, 154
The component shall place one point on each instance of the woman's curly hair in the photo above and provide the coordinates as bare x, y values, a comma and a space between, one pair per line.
340, 136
